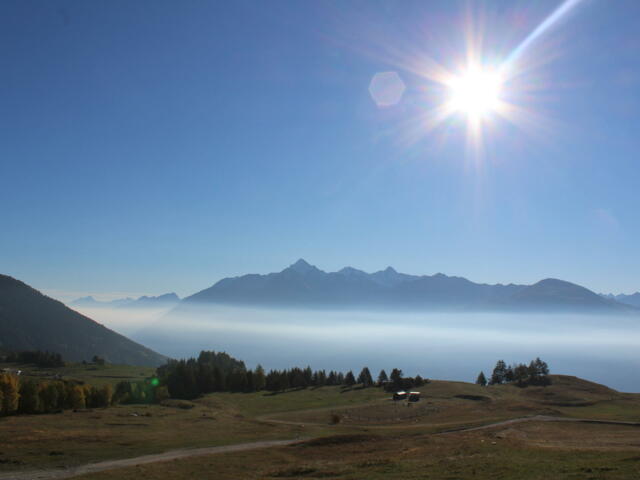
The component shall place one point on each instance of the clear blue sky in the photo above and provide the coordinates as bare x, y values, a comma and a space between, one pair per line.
158, 146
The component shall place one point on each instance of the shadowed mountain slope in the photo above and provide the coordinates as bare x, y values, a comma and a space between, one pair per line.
30, 320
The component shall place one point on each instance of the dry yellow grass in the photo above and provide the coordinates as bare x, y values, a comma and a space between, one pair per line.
390, 443
507, 453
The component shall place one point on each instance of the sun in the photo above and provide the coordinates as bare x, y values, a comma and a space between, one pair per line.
475, 93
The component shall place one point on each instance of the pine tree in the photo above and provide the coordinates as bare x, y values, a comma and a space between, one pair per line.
365, 377
541, 367
382, 377
319, 378
396, 378
498, 375
283, 381
521, 374
308, 376
509, 374
259, 380
481, 380
219, 380
237, 381
349, 379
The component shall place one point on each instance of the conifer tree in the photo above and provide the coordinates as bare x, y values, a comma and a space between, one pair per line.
481, 380
498, 375
365, 377
382, 377
396, 378
509, 374
259, 379
349, 379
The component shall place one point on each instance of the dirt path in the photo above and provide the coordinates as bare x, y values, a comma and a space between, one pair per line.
185, 453
129, 462
463, 428
538, 418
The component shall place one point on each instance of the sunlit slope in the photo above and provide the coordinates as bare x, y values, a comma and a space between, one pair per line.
448, 405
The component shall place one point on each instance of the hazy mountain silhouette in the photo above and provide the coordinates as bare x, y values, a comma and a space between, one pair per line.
304, 285
633, 299
90, 302
30, 320
166, 300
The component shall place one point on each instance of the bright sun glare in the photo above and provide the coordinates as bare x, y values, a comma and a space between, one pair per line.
475, 93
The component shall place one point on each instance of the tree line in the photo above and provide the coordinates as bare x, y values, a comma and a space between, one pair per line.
181, 379
219, 372
520, 374
38, 358
26, 396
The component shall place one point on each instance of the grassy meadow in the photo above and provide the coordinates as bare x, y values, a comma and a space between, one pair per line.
350, 433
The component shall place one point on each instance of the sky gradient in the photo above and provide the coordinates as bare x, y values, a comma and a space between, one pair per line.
148, 147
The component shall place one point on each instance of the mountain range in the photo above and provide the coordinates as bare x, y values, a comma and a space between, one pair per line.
304, 285
633, 299
166, 300
30, 320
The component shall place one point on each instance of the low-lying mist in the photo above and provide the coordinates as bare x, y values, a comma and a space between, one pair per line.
441, 346
126, 321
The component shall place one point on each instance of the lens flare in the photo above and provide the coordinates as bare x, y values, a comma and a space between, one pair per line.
476, 92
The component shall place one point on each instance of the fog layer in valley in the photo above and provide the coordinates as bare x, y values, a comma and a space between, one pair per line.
127, 321
441, 346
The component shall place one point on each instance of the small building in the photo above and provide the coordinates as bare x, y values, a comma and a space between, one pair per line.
414, 397
400, 395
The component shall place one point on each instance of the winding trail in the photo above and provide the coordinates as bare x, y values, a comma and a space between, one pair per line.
537, 418
130, 462
52, 474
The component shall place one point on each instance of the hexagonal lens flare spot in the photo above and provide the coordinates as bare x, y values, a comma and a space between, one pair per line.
386, 88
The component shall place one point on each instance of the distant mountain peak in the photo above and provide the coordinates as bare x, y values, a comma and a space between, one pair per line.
351, 271
302, 266
557, 283
632, 299
302, 284
551, 281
